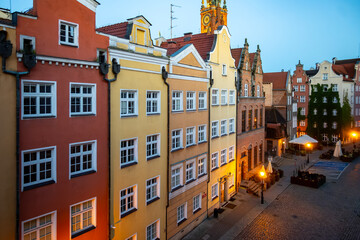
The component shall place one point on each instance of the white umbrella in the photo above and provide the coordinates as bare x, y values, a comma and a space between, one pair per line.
269, 167
337, 151
304, 139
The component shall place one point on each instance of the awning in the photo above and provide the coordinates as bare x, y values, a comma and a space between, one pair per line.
304, 139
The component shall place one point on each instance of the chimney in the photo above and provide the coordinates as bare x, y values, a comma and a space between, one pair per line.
171, 44
317, 65
282, 70
187, 36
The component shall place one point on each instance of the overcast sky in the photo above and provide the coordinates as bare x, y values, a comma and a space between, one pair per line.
286, 30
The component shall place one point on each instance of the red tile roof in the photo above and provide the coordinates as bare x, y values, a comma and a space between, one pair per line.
345, 69
278, 79
236, 53
203, 43
252, 57
118, 29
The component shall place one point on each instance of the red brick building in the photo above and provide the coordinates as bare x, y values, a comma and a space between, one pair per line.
63, 123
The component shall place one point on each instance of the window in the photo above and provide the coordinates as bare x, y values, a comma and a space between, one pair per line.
259, 69
223, 156
128, 200
302, 98
246, 66
38, 167
128, 101
202, 100
335, 100
296, 88
325, 137
325, 87
302, 123
128, 152
232, 97
334, 126
223, 97
258, 91
190, 136
214, 160
152, 102
83, 99
176, 177
38, 99
181, 213
299, 80
231, 180
334, 138
334, 112
27, 43
231, 125
315, 88
191, 101
302, 111
335, 88
302, 88
176, 139
152, 146
190, 171
255, 118
196, 203
325, 112
223, 127
215, 97
224, 70
243, 121
202, 166
101, 55
68, 33
83, 217
324, 100
177, 101
215, 129
152, 190
325, 125
214, 191
231, 153
42, 227
250, 120
153, 231
315, 100
246, 91
202, 133
315, 125
325, 76
82, 158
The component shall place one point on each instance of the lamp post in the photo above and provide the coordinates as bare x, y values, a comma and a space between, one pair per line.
308, 146
262, 175
354, 137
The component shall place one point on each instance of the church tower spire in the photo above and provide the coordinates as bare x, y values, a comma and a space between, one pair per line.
212, 15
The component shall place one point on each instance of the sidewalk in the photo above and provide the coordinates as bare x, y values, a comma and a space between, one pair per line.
234, 220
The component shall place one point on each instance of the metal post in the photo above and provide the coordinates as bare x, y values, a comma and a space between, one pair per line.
308, 160
262, 191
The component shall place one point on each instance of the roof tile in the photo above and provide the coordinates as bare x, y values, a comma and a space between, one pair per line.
278, 79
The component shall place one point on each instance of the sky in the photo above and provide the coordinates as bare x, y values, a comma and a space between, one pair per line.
286, 30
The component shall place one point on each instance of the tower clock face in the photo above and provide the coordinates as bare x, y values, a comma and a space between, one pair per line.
206, 19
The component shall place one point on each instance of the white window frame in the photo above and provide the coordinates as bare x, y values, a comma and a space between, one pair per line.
231, 125
81, 212
214, 160
190, 171
127, 195
81, 96
180, 137
157, 228
202, 132
127, 100
177, 101
334, 125
176, 176
296, 88
335, 88
214, 191
325, 76
231, 153
215, 129
302, 99
181, 213
202, 166
324, 99
153, 188
302, 123
202, 101
299, 80
153, 144
334, 112
37, 162
190, 136
223, 127
24, 37
196, 203
224, 69
215, 97
76, 33
302, 112
257, 90
302, 88
335, 100
231, 97
127, 148
223, 157
325, 112
190, 101
153, 101
246, 90
38, 95
39, 227
81, 154
224, 96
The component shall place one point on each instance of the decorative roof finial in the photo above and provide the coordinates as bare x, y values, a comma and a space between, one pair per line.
224, 4
258, 48
246, 43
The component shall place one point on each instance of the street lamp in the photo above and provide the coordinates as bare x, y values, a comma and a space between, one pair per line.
308, 146
354, 135
262, 175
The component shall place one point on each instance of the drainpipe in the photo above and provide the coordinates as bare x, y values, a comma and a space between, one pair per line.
104, 69
236, 129
164, 75
209, 140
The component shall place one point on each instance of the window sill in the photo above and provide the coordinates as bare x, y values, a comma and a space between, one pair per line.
82, 114
152, 114
128, 212
202, 109
214, 168
232, 104
214, 137
74, 235
177, 111
231, 160
128, 116
190, 110
82, 174
223, 164
187, 146
152, 200
231, 133
190, 181
69, 44
176, 188
38, 116
177, 149
39, 185
200, 176
213, 198
128, 165
202, 142
153, 157
197, 210
183, 220
214, 105
225, 104
225, 134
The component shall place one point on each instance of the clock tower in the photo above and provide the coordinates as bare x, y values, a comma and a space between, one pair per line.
212, 15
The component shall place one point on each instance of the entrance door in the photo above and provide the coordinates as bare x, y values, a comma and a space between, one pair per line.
222, 195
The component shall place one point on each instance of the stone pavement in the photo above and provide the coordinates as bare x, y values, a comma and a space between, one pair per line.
233, 221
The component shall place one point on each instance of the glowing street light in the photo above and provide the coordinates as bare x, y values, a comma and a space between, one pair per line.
308, 147
262, 175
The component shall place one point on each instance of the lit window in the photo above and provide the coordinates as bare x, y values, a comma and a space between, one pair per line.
128, 152
202, 133
152, 146
190, 101
177, 101
128, 101
152, 190
202, 100
42, 227
69, 33
215, 97
83, 217
152, 102
128, 200
83, 99
82, 158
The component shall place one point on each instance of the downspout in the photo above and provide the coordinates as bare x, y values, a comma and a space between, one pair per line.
209, 139
236, 129
104, 69
164, 75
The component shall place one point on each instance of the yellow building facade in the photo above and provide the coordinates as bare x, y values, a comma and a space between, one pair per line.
222, 123
188, 83
8, 140
138, 135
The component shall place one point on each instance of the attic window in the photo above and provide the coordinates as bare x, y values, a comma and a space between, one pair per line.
27, 44
68, 33
224, 70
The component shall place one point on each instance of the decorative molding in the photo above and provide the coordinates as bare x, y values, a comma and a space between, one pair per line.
138, 57
189, 78
91, 4
187, 187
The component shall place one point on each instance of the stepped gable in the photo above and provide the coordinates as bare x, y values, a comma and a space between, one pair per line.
278, 79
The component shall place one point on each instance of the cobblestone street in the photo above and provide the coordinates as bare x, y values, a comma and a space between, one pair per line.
330, 212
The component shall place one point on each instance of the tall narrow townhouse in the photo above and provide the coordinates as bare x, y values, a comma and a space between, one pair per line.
188, 174
63, 123
250, 113
139, 125
8, 121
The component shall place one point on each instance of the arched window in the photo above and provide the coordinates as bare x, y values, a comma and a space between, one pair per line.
246, 91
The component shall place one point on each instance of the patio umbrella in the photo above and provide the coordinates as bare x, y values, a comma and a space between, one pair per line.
337, 151
269, 167
304, 139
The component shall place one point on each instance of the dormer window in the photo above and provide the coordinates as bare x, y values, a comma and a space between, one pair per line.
68, 33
